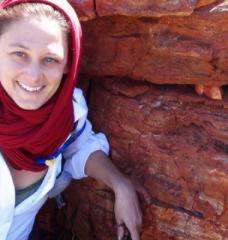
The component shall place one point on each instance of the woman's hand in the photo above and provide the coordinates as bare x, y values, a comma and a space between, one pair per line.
127, 211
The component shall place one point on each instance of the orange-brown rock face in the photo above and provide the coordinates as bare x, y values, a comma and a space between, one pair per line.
160, 50
88, 9
85, 9
142, 63
145, 8
174, 146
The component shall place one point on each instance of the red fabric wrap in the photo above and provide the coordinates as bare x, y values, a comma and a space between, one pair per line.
29, 134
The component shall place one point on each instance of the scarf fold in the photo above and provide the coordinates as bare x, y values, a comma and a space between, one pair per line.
29, 134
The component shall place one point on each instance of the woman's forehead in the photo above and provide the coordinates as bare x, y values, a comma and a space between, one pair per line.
35, 25
39, 33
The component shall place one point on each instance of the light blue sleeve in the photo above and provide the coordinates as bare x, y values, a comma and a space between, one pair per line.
88, 142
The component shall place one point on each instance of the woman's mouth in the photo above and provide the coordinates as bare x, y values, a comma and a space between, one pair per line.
29, 88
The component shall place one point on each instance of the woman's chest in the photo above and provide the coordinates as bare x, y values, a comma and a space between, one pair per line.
23, 178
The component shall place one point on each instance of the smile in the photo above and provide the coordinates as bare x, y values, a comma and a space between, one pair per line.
28, 88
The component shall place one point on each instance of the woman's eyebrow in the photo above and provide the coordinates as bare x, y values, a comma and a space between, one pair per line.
53, 53
18, 45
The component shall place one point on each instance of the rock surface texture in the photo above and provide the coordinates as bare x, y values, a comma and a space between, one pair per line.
140, 64
174, 146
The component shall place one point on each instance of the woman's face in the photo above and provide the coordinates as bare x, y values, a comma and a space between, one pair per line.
34, 56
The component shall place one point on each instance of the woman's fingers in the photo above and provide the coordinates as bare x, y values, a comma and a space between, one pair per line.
130, 228
120, 231
135, 235
135, 230
127, 211
213, 92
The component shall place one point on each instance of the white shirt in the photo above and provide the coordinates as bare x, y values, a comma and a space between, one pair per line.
16, 222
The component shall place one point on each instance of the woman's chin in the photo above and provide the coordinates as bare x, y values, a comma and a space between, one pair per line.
29, 105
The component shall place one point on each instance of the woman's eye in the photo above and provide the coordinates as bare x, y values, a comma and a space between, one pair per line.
51, 60
19, 54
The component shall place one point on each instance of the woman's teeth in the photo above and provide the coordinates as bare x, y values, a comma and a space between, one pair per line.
29, 89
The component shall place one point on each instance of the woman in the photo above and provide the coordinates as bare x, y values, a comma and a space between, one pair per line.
44, 118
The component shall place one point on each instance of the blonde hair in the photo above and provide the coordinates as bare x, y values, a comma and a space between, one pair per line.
27, 10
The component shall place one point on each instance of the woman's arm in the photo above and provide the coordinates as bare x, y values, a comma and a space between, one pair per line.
127, 211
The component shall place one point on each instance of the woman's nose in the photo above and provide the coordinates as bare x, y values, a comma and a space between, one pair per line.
34, 72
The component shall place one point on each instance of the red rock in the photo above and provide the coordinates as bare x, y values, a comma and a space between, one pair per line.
168, 50
171, 224
84, 8
88, 9
205, 2
145, 7
174, 145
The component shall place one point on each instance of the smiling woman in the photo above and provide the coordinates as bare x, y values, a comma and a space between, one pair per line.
32, 68
43, 118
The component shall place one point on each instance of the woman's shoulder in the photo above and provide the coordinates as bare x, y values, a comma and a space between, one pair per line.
78, 97
79, 104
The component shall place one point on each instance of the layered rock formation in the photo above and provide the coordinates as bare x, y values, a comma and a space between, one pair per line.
170, 49
174, 146
141, 62
89, 9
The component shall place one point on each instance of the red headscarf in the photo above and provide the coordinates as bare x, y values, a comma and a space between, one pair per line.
29, 134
